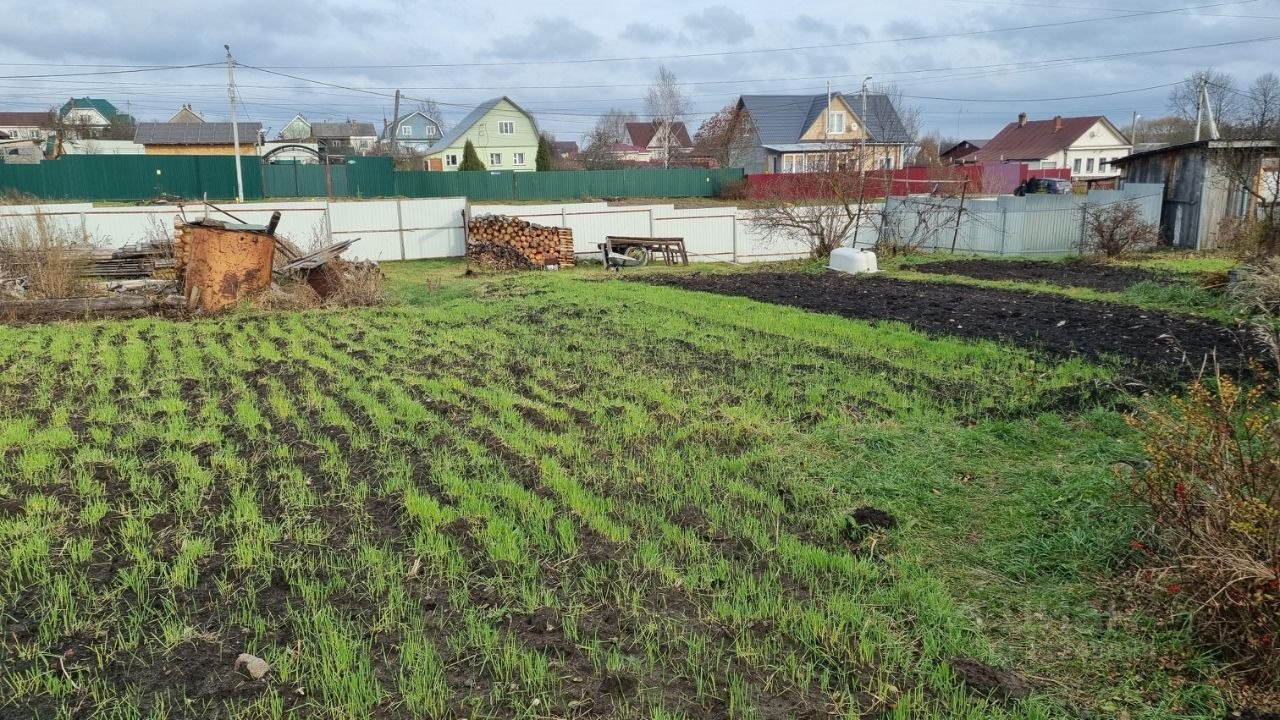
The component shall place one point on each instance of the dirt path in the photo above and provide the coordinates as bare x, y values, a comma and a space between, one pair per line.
1160, 347
1071, 274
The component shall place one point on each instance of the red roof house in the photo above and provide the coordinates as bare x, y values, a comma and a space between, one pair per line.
1086, 145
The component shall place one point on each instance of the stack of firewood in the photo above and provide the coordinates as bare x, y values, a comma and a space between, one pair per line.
538, 245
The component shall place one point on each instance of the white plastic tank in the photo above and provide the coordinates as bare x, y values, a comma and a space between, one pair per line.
851, 260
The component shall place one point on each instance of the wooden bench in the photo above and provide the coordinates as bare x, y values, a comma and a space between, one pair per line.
672, 249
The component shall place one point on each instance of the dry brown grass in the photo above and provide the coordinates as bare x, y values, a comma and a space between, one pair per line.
52, 258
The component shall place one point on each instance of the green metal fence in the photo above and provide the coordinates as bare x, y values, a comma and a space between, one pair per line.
141, 177
133, 177
567, 185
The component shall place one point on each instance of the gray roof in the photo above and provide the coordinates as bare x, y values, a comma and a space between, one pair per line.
158, 133
474, 116
783, 119
342, 129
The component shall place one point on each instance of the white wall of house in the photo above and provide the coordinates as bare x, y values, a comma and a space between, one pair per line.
25, 132
1090, 156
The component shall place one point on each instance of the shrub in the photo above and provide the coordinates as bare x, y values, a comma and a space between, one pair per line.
735, 190
1213, 487
52, 258
470, 160
1258, 293
1114, 229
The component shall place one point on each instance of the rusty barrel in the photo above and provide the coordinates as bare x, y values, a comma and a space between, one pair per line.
225, 263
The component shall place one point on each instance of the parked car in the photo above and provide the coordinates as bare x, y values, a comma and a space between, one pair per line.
1043, 186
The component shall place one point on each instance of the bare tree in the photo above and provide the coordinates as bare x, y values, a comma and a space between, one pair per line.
1251, 169
832, 210
1224, 97
667, 105
597, 145
1262, 106
1169, 129
1114, 229
727, 136
431, 109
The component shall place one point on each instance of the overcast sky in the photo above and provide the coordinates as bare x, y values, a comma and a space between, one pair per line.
969, 65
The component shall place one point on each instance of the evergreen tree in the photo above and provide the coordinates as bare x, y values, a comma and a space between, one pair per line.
470, 160
542, 161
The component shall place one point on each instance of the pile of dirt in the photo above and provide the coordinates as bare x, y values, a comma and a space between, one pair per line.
1158, 348
1096, 276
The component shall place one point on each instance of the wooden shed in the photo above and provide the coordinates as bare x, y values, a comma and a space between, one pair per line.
1204, 182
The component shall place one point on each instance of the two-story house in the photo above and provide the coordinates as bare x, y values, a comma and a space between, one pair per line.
806, 133
1087, 145
654, 141
86, 112
414, 133
504, 135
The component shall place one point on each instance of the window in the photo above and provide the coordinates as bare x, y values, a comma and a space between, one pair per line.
1088, 166
506, 127
517, 158
789, 164
835, 123
495, 159
451, 160
1075, 166
406, 130
886, 163
1102, 164
1049, 165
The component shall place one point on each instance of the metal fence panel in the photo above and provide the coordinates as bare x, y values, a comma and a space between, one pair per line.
1009, 225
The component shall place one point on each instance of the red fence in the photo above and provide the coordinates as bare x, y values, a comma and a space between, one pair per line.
988, 179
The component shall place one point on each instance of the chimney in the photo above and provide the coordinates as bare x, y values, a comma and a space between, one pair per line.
1022, 119
1057, 123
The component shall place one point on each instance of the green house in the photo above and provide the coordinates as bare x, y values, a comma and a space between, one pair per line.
504, 135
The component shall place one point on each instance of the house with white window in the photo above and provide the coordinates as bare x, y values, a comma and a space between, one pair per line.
807, 133
504, 135
414, 133
1087, 145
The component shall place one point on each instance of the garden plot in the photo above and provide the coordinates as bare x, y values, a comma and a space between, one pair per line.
475, 511
1092, 275
540, 502
1157, 347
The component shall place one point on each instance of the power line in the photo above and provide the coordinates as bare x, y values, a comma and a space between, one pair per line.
798, 48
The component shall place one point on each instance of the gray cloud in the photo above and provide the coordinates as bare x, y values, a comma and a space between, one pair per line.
719, 23
549, 37
334, 40
645, 33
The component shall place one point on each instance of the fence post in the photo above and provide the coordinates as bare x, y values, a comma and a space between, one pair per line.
84, 228
1004, 227
735, 237
400, 227
651, 223
328, 222
1084, 222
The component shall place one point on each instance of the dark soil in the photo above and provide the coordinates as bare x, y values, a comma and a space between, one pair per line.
989, 681
1251, 714
1096, 276
1158, 348
874, 517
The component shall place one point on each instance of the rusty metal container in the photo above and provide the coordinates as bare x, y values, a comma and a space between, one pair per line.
225, 262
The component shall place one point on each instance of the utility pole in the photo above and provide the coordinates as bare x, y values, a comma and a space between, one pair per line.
235, 127
1133, 131
1208, 109
862, 142
395, 125
826, 132
1205, 108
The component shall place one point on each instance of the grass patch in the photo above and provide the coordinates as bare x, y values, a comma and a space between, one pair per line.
557, 494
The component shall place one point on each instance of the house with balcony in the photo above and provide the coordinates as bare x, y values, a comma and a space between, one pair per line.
808, 133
